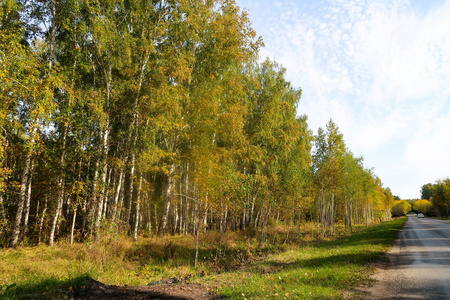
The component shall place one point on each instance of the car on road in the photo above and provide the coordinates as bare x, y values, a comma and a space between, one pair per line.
420, 215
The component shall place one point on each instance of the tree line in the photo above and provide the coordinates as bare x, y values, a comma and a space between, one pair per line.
156, 117
438, 195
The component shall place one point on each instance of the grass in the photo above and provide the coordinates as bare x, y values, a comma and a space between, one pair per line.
324, 270
303, 269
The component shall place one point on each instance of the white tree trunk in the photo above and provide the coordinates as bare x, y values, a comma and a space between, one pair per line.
138, 208
28, 202
22, 193
168, 199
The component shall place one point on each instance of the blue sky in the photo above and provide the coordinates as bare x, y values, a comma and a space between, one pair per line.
380, 69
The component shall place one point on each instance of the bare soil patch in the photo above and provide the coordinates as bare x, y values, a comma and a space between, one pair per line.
183, 291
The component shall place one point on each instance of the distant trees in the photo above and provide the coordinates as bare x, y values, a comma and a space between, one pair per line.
427, 191
439, 195
344, 189
422, 206
155, 117
400, 208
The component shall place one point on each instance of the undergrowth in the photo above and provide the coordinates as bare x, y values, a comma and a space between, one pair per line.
300, 267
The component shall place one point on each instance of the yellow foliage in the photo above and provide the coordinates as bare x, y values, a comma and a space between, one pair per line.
422, 206
400, 208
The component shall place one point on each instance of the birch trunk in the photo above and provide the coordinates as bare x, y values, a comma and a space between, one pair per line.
22, 192
351, 216
222, 222
41, 223
197, 232
117, 193
28, 202
263, 225
138, 206
107, 193
73, 223
2, 212
332, 215
130, 189
105, 146
168, 199
60, 198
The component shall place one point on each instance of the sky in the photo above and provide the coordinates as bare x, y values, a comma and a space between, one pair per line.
380, 69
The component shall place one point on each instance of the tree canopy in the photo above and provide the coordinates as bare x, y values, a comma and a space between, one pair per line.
157, 117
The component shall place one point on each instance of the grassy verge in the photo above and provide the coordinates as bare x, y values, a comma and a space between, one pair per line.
305, 268
321, 271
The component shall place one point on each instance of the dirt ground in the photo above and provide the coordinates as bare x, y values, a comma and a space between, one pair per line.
179, 291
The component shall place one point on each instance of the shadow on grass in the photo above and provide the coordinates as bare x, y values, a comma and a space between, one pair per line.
384, 234
361, 248
49, 288
164, 254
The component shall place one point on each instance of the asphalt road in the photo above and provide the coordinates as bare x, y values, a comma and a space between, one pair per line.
420, 263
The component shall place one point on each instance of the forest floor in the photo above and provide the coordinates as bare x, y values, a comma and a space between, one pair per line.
162, 268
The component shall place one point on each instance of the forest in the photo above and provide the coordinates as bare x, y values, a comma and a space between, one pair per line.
159, 118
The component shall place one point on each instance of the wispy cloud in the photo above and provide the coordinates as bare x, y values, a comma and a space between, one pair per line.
380, 69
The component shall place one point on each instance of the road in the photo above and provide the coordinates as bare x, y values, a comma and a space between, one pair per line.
420, 263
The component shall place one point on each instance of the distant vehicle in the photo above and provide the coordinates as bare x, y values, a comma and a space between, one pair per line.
420, 215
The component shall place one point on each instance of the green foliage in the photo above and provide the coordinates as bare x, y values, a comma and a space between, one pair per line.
427, 191
439, 195
156, 117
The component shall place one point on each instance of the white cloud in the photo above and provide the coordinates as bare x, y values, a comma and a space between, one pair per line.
428, 150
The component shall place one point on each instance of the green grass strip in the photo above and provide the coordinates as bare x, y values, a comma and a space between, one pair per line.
322, 271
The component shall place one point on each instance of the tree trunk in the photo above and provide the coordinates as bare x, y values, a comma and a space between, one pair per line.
167, 200
41, 223
138, 206
105, 146
60, 187
117, 193
351, 216
106, 201
332, 214
2, 214
51, 44
130, 189
323, 216
22, 197
181, 212
55, 221
197, 232
263, 225
222, 222
186, 193
73, 223
175, 219
28, 202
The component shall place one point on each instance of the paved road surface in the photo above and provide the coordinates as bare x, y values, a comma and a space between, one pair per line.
420, 263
